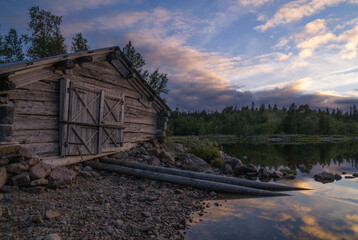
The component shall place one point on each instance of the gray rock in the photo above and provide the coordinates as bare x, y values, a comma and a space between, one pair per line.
3, 177
10, 189
4, 162
277, 174
35, 190
264, 172
354, 175
87, 168
349, 177
40, 170
166, 158
33, 161
39, 182
233, 162
146, 214
154, 161
244, 170
226, 168
85, 174
143, 151
212, 194
61, 177
193, 163
36, 219
49, 214
52, 236
22, 180
326, 177
154, 152
121, 155
16, 168
290, 176
95, 174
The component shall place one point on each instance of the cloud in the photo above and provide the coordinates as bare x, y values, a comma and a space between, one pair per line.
296, 10
255, 3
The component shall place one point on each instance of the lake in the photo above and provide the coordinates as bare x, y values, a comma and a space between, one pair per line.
329, 211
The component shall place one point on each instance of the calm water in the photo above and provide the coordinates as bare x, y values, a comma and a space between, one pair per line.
330, 211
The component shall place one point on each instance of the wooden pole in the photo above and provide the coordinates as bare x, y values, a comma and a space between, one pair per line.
196, 183
203, 176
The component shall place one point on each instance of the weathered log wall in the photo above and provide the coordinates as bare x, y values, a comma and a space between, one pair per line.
32, 107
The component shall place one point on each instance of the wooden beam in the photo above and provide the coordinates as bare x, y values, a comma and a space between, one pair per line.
82, 60
6, 84
65, 64
55, 162
6, 114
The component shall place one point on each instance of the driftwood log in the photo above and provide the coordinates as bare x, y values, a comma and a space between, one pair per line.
196, 183
203, 176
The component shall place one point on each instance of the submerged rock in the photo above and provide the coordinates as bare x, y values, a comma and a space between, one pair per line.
326, 177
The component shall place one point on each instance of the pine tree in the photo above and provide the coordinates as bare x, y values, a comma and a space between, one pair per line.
46, 38
79, 43
11, 47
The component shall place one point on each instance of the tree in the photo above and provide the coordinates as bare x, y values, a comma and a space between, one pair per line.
156, 80
46, 38
79, 43
11, 47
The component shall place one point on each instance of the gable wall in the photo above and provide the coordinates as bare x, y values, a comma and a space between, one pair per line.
36, 107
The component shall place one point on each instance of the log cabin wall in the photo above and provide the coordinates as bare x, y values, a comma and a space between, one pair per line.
32, 107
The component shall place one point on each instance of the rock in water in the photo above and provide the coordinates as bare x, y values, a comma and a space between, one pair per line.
61, 177
277, 174
40, 170
3, 177
326, 177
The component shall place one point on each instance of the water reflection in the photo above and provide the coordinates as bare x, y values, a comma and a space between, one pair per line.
330, 211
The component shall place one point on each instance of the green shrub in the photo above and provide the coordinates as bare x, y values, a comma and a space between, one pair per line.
204, 148
289, 171
217, 162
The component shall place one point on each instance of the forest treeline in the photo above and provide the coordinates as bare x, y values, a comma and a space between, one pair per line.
248, 121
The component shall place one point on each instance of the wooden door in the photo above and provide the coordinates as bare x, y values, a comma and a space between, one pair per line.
91, 119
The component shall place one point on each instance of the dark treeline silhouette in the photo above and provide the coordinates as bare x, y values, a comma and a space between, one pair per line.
253, 120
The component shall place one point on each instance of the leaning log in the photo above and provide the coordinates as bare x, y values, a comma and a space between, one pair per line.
190, 182
203, 176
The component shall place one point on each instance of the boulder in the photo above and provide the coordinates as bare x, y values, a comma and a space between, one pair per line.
154, 161
233, 162
226, 168
120, 155
166, 157
290, 176
39, 182
33, 161
143, 151
326, 177
16, 168
154, 152
264, 172
277, 174
4, 162
40, 170
244, 170
61, 177
3, 177
193, 163
22, 180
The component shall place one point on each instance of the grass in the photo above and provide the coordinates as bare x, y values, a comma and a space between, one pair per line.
289, 171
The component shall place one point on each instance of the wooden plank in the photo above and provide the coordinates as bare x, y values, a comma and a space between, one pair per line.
100, 117
149, 120
36, 108
32, 95
137, 137
33, 76
63, 115
41, 149
21, 122
55, 161
35, 136
50, 86
136, 128
6, 114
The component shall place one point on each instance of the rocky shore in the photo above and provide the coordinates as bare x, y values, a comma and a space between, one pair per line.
78, 202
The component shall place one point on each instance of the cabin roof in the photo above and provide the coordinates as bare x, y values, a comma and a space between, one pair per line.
8, 69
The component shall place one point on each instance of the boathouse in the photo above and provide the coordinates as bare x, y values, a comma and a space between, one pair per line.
81, 104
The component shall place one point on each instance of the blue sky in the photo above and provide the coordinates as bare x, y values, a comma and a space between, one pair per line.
223, 52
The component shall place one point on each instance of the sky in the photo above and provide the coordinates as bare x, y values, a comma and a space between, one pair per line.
220, 53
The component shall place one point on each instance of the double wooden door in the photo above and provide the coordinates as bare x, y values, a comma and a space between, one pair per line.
91, 119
